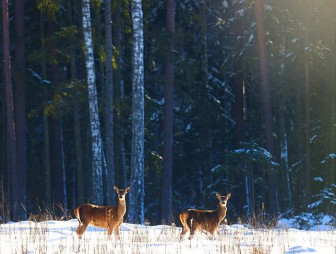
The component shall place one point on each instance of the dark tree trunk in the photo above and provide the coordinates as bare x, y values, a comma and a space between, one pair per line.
15, 186
20, 102
109, 129
167, 174
79, 183
120, 158
205, 129
238, 79
266, 100
57, 173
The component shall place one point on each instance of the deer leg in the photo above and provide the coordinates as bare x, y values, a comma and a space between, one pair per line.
116, 231
185, 229
109, 232
80, 230
192, 227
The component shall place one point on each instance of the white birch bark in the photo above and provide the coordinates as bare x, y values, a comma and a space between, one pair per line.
137, 194
97, 148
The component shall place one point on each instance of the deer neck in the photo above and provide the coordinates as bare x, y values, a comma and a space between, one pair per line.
221, 212
121, 208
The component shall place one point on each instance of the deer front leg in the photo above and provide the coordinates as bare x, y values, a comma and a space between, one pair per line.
109, 232
116, 231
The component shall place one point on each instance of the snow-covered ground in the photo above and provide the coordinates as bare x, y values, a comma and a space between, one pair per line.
59, 237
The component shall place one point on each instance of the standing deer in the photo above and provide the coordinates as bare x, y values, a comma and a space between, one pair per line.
109, 217
208, 220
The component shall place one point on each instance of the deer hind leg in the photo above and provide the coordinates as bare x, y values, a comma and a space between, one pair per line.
193, 226
80, 230
185, 227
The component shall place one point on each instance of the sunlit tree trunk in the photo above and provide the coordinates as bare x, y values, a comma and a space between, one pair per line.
15, 187
20, 102
167, 174
96, 141
329, 114
137, 193
266, 99
308, 169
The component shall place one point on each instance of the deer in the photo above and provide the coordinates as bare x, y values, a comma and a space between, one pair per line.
109, 217
208, 220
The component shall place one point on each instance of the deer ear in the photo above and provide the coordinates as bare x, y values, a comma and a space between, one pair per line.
128, 189
228, 196
218, 195
115, 188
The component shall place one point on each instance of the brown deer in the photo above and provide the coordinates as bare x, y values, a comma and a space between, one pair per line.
109, 217
208, 220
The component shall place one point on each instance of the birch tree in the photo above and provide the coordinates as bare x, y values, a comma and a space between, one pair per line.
137, 193
96, 141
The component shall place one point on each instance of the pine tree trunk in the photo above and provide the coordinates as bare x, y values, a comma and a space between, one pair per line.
57, 172
308, 170
267, 106
206, 130
15, 187
96, 141
79, 183
20, 102
137, 193
167, 174
109, 129
120, 157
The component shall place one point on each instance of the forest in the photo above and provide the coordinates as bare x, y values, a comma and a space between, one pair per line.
177, 99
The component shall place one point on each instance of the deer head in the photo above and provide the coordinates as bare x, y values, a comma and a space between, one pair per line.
223, 199
121, 193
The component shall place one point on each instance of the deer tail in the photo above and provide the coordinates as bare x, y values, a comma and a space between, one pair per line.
183, 218
77, 214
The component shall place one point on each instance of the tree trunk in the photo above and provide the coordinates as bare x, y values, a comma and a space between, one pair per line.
206, 130
96, 141
267, 106
79, 183
308, 170
137, 193
15, 186
120, 158
109, 129
20, 102
57, 173
167, 174
329, 22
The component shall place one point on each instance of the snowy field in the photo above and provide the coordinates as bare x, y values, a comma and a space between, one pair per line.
59, 237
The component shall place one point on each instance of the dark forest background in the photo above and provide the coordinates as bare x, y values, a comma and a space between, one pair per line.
253, 106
